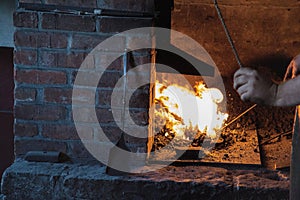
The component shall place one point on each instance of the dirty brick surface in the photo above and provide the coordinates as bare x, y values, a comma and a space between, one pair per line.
70, 181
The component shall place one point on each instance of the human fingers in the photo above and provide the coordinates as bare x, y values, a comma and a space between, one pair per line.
243, 89
289, 71
240, 81
297, 60
293, 69
296, 66
243, 71
246, 96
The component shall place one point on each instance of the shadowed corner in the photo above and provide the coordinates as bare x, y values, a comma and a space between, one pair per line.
277, 63
179, 63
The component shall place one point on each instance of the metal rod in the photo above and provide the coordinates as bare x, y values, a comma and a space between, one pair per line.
83, 10
229, 38
236, 55
239, 116
6, 112
125, 62
276, 136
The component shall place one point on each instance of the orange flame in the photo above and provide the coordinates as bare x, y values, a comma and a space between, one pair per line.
180, 109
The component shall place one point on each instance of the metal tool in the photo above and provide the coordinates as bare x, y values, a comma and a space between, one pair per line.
125, 62
236, 55
239, 116
229, 38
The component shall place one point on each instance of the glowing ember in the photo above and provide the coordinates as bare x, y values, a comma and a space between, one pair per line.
183, 111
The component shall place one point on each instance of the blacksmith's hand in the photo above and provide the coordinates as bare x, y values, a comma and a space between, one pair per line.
254, 87
293, 69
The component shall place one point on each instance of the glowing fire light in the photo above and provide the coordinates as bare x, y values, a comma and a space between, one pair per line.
181, 109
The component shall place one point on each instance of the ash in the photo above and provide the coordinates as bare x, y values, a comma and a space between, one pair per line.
231, 146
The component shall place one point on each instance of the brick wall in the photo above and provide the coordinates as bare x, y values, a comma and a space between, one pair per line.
133, 5
49, 49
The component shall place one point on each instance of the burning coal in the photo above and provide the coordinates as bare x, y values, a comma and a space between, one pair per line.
186, 113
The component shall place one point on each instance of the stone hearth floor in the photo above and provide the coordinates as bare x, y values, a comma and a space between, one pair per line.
29, 180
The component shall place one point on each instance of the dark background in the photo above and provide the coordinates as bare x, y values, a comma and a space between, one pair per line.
6, 108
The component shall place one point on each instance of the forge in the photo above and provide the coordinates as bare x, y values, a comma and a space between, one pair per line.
190, 132
108, 109
198, 129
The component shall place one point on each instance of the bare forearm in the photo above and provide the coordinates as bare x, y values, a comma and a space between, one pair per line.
288, 93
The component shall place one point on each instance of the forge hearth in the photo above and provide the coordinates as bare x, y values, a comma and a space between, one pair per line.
184, 133
237, 146
53, 38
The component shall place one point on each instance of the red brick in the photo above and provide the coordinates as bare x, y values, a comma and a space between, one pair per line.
136, 77
25, 94
109, 79
139, 132
86, 42
31, 39
89, 78
105, 115
83, 96
26, 19
68, 22
40, 77
64, 96
79, 3
88, 63
104, 97
136, 42
130, 5
73, 60
113, 133
101, 60
30, 1
25, 57
120, 24
86, 78
49, 58
22, 146
78, 151
25, 130
55, 59
134, 142
140, 98
58, 40
83, 114
40, 112
85, 132
40, 39
58, 95
63, 132
89, 42
139, 117
143, 59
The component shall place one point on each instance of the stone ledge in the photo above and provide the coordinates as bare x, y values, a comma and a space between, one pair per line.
29, 180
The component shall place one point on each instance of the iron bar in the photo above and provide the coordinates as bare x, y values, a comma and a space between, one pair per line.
236, 55
239, 116
229, 38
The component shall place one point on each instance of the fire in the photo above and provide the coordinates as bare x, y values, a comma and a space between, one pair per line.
182, 110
